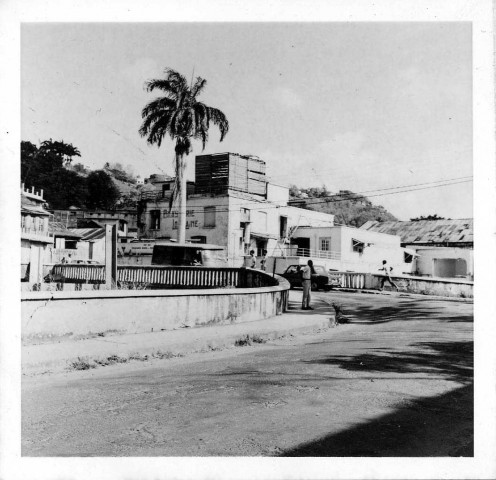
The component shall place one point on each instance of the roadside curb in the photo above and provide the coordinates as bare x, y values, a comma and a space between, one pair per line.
54, 358
404, 294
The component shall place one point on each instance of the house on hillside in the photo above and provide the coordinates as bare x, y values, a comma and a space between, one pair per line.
35, 236
230, 203
444, 248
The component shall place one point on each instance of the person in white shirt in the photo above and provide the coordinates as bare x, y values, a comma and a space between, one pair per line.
253, 259
306, 282
387, 276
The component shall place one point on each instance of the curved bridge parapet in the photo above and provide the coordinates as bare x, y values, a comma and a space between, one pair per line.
153, 276
232, 296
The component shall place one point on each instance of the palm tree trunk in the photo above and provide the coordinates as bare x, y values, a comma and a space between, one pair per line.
181, 224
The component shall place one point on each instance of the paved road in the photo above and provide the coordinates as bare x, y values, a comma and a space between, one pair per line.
396, 381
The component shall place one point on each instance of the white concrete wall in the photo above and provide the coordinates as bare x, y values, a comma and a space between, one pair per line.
53, 314
277, 193
427, 255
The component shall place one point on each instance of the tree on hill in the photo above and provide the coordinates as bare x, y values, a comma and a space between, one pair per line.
428, 217
181, 116
46, 167
117, 171
348, 208
43, 168
102, 192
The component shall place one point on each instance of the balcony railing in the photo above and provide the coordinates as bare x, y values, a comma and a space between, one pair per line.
307, 252
36, 232
152, 276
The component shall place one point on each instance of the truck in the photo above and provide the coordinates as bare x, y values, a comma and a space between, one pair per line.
189, 254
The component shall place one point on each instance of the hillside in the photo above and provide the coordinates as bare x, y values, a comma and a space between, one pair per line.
348, 208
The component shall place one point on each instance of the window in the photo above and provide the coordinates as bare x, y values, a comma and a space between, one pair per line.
165, 188
408, 257
283, 227
209, 220
325, 244
71, 244
357, 245
199, 239
155, 219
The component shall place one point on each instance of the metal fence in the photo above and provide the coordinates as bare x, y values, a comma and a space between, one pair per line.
151, 276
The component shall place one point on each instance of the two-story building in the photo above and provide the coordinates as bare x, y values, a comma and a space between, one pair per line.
346, 248
232, 204
35, 235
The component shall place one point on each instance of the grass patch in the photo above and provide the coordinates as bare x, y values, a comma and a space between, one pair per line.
166, 355
113, 359
249, 340
81, 364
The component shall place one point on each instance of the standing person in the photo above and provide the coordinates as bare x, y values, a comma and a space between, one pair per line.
387, 270
263, 260
253, 259
306, 282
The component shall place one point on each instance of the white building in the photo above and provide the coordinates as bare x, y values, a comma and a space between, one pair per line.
343, 248
233, 205
35, 236
443, 248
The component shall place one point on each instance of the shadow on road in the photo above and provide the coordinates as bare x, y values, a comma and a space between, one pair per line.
451, 360
418, 430
380, 313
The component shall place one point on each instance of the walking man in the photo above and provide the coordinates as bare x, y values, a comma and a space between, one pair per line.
387, 278
306, 282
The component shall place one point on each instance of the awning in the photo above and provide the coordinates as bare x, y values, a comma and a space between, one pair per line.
411, 252
357, 243
265, 236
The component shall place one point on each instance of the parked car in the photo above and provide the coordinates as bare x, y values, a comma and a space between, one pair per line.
321, 279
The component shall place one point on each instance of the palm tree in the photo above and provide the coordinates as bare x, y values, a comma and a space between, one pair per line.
181, 116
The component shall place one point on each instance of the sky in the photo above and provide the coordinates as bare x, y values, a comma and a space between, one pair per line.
368, 107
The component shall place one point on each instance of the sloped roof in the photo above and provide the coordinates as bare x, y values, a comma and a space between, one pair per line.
31, 207
89, 234
59, 229
34, 210
427, 231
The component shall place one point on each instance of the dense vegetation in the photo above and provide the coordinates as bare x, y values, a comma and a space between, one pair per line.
49, 167
347, 207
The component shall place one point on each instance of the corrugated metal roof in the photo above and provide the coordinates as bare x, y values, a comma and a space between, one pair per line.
34, 210
60, 230
427, 231
88, 234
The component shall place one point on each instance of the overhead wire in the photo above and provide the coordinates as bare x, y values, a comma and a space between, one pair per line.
335, 198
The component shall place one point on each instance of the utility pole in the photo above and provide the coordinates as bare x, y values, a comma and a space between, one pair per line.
110, 256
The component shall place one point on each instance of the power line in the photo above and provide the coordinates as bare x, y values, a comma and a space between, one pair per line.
339, 197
